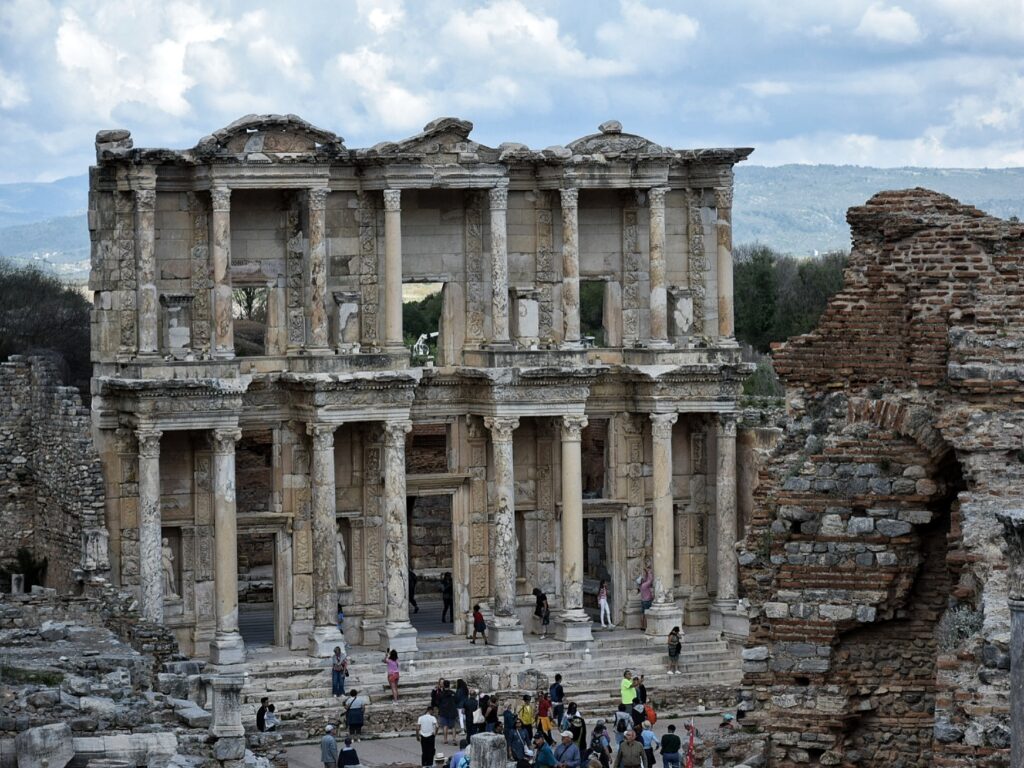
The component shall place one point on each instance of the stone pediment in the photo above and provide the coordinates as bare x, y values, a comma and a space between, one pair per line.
611, 141
270, 135
445, 135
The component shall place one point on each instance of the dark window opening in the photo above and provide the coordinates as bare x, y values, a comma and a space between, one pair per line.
594, 440
592, 312
426, 449
249, 311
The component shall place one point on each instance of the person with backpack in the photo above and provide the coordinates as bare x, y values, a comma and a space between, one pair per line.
527, 714
623, 722
650, 741
600, 747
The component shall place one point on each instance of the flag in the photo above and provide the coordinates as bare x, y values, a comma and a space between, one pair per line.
689, 752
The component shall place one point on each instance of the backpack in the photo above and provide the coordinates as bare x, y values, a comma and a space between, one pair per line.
464, 761
650, 714
620, 725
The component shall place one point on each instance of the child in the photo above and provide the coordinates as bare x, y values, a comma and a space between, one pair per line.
479, 625
270, 721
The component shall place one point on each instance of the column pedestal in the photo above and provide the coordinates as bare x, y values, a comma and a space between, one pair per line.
505, 631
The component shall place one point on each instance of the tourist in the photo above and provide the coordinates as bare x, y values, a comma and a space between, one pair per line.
527, 714
341, 618
472, 714
391, 659
626, 690
461, 694
489, 705
435, 693
426, 730
650, 741
355, 714
728, 721
542, 611
670, 748
479, 625
675, 645
508, 722
576, 725
645, 586
641, 689
447, 592
543, 754
457, 757
261, 715
448, 712
339, 671
329, 748
600, 747
567, 753
518, 740
623, 722
271, 720
412, 590
348, 756
631, 753
602, 603
544, 716
557, 694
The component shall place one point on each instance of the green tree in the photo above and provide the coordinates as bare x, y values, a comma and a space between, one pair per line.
754, 294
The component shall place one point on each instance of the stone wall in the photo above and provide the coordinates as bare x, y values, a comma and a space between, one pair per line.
50, 476
873, 561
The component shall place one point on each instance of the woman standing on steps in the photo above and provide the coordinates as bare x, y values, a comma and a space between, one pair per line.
675, 645
602, 602
391, 659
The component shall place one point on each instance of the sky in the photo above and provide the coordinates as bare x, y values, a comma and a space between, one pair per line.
862, 82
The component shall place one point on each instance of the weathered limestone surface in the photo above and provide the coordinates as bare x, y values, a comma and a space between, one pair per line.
150, 575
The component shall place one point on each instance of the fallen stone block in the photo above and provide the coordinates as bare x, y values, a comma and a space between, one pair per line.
45, 745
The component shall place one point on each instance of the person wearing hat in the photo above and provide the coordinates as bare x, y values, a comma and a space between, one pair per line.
527, 713
543, 756
650, 741
728, 720
348, 756
567, 754
631, 753
329, 748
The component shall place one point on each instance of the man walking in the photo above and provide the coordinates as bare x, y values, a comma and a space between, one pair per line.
329, 748
557, 695
567, 754
426, 731
631, 753
670, 748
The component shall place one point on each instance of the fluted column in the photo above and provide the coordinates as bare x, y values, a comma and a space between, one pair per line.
220, 258
499, 264
723, 202
145, 255
325, 573
570, 267
505, 629
227, 646
400, 632
151, 578
659, 283
664, 614
574, 623
393, 268
725, 508
318, 328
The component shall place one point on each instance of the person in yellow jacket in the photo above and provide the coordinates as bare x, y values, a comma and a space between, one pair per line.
527, 713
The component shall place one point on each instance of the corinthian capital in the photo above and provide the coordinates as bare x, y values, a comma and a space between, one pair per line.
322, 434
501, 427
149, 443
657, 196
570, 197
318, 197
661, 425
725, 424
145, 199
499, 197
392, 199
572, 428
395, 432
221, 198
224, 440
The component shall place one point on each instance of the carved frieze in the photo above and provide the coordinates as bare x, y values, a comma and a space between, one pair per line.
368, 271
698, 266
475, 286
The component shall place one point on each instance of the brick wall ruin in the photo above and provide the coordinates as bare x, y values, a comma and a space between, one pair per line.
874, 562
51, 484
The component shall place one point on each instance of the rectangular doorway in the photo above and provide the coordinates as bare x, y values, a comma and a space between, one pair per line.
256, 587
431, 557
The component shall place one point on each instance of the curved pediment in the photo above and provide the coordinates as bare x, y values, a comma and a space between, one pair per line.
270, 135
612, 141
445, 135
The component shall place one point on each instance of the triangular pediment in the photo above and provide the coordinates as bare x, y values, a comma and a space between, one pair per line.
271, 135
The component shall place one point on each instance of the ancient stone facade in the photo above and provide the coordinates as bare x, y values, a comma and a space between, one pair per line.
328, 235
875, 559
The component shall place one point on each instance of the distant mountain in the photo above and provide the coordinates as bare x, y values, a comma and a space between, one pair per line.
795, 209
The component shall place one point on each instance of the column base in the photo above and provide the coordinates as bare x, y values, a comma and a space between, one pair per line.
658, 344
697, 612
401, 636
661, 618
324, 640
574, 626
226, 649
729, 619
505, 631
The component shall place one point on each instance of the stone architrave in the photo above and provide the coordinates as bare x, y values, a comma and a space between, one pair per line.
145, 255
325, 574
1013, 532
664, 614
570, 267
505, 629
499, 264
725, 508
227, 646
723, 203
574, 623
151, 578
220, 258
318, 318
400, 632
393, 268
659, 282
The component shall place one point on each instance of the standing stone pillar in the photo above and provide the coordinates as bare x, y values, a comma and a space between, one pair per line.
393, 268
318, 324
723, 201
227, 646
664, 614
659, 282
400, 632
505, 629
220, 257
145, 256
574, 623
151, 579
226, 727
570, 267
1013, 532
499, 264
725, 510
325, 573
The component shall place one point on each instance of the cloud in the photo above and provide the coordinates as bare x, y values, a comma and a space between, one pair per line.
381, 15
763, 88
645, 34
12, 91
889, 24
386, 102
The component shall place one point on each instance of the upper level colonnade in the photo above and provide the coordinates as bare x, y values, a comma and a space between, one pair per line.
330, 234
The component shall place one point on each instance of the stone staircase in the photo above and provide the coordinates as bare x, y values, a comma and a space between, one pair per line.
300, 686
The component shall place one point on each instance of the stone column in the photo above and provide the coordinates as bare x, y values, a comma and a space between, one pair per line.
400, 632
570, 267
574, 624
505, 629
325, 573
145, 256
664, 614
723, 201
393, 268
659, 283
318, 324
227, 646
220, 257
725, 511
1013, 532
499, 265
151, 579
226, 726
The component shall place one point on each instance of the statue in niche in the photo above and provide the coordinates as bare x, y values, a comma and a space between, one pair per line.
167, 560
341, 558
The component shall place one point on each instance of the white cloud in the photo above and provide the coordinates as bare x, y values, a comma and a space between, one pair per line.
388, 103
647, 33
12, 91
889, 24
381, 15
763, 88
